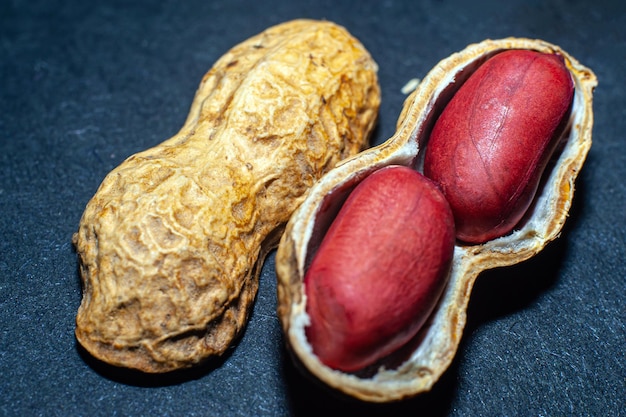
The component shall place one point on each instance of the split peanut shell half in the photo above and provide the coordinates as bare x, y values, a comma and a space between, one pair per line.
418, 365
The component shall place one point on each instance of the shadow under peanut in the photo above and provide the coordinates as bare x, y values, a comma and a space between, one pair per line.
309, 397
136, 378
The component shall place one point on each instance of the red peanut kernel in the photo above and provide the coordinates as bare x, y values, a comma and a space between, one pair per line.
380, 269
493, 140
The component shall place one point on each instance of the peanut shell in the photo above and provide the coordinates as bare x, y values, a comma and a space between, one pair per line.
171, 244
416, 367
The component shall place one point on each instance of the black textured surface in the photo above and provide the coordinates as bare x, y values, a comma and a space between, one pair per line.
84, 84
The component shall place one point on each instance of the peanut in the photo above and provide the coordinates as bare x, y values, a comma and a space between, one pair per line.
380, 269
170, 246
493, 140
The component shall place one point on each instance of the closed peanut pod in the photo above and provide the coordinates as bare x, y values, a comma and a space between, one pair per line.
416, 366
171, 244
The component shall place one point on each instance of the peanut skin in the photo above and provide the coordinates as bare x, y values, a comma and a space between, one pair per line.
492, 142
171, 244
379, 270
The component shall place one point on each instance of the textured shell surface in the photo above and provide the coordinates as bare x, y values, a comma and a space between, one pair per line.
171, 244
417, 366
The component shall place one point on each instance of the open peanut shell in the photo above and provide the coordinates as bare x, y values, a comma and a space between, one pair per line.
416, 367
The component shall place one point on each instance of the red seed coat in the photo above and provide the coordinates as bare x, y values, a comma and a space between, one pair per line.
490, 146
379, 270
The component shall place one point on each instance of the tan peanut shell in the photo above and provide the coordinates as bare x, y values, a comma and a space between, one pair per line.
171, 244
416, 367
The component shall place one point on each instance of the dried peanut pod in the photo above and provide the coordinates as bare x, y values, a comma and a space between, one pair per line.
171, 244
418, 365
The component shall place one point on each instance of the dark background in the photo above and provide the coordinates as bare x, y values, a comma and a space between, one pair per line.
84, 84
